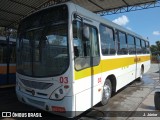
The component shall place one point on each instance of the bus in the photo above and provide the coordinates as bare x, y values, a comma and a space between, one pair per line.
69, 59
7, 52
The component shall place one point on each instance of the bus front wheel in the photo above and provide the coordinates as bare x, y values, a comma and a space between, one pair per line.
107, 91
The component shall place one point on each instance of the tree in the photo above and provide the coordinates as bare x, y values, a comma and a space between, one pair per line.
158, 45
155, 48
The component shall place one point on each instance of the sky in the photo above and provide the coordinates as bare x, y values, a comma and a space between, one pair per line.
143, 22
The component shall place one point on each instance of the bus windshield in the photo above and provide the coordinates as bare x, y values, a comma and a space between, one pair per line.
42, 43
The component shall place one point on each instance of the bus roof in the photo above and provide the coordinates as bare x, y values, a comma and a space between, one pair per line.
95, 17
102, 20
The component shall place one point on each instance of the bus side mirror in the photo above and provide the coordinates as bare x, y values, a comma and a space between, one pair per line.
85, 33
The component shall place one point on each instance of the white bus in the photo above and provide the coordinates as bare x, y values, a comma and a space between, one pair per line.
69, 59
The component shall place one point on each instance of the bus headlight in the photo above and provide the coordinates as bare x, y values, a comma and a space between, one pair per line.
59, 93
18, 84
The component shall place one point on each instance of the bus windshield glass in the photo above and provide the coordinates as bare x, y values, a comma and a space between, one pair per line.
42, 43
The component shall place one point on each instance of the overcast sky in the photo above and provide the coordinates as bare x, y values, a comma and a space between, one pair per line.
143, 22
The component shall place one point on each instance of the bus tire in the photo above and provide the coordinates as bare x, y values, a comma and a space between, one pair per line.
157, 100
141, 74
107, 92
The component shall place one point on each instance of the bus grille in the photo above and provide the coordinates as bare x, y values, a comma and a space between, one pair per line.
39, 103
36, 85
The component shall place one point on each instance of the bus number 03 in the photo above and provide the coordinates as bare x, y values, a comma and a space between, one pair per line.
63, 80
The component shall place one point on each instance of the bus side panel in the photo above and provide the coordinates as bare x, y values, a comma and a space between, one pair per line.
87, 91
3, 74
122, 67
83, 101
123, 76
87, 99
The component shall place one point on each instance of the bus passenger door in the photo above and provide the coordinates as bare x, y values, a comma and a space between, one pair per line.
95, 65
87, 67
137, 59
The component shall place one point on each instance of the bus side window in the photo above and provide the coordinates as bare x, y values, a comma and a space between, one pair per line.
138, 46
107, 40
143, 46
13, 54
147, 47
131, 44
122, 44
86, 51
77, 39
3, 53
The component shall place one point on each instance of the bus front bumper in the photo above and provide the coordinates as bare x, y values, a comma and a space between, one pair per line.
62, 108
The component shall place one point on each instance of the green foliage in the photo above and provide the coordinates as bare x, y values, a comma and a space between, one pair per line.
155, 48
154, 59
158, 45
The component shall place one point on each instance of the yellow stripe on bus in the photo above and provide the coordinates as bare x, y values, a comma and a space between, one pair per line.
109, 64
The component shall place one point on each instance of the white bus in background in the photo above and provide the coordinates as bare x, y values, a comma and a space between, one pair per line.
75, 59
